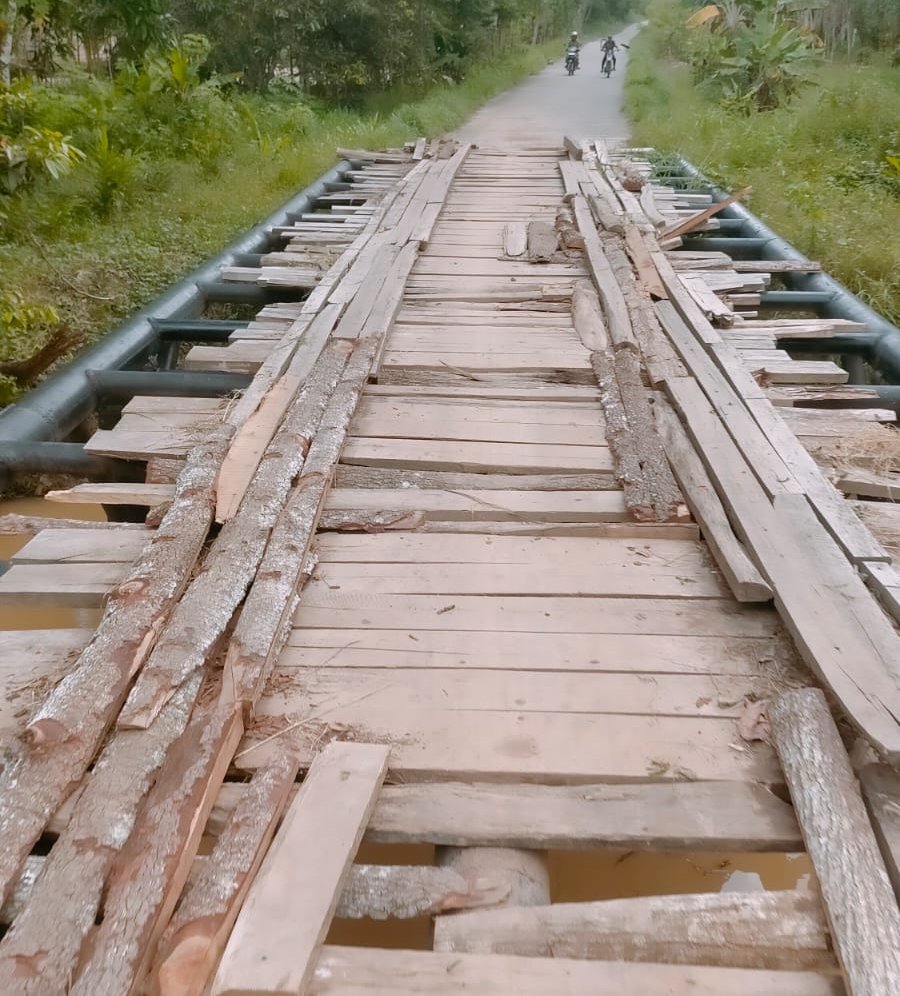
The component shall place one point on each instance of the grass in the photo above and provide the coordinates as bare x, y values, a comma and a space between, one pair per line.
107, 239
817, 167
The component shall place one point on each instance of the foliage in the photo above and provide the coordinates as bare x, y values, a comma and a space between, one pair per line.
751, 55
20, 322
825, 171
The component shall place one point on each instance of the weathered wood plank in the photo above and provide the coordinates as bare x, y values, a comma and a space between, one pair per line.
196, 936
368, 971
281, 928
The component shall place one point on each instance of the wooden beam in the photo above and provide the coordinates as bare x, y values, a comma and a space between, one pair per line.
355, 971
282, 926
862, 910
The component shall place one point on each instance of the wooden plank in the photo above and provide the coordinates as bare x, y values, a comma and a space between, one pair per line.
821, 599
664, 555
522, 614
862, 910
481, 506
479, 745
474, 429
688, 816
114, 494
635, 652
784, 931
371, 971
196, 936
476, 457
744, 580
249, 444
696, 220
281, 928
85, 546
79, 586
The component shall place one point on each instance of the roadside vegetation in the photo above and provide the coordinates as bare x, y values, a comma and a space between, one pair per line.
802, 105
139, 137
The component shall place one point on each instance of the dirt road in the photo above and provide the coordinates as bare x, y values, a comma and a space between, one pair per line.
551, 104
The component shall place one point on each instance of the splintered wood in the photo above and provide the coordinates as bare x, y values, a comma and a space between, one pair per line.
472, 556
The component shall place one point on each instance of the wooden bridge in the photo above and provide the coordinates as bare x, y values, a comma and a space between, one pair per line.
522, 541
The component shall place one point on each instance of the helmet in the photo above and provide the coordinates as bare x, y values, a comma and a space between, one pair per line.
574, 34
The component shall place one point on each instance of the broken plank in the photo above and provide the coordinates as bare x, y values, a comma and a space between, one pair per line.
288, 910
84, 546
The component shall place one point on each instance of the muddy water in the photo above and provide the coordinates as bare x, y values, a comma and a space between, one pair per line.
575, 876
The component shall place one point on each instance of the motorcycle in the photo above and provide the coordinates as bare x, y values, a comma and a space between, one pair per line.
608, 64
571, 60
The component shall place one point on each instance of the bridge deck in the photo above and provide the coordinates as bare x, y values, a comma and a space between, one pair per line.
515, 632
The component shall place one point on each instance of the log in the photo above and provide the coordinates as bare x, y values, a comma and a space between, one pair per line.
192, 944
265, 620
651, 494
67, 730
381, 892
207, 606
153, 867
762, 930
79, 864
859, 902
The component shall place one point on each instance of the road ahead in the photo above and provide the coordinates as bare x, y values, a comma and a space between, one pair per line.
551, 104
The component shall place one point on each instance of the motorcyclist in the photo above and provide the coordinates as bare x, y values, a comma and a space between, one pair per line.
609, 49
573, 42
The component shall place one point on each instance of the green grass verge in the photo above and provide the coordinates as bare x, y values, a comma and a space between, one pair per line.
817, 167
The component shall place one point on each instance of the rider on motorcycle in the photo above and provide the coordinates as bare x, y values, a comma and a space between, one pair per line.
609, 50
574, 43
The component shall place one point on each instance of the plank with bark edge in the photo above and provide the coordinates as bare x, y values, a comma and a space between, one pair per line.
859, 902
76, 872
67, 730
207, 606
153, 866
193, 942
769, 930
281, 928
373, 972
265, 623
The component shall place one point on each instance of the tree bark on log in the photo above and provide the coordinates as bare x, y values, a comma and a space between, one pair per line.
206, 609
859, 901
194, 940
67, 731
